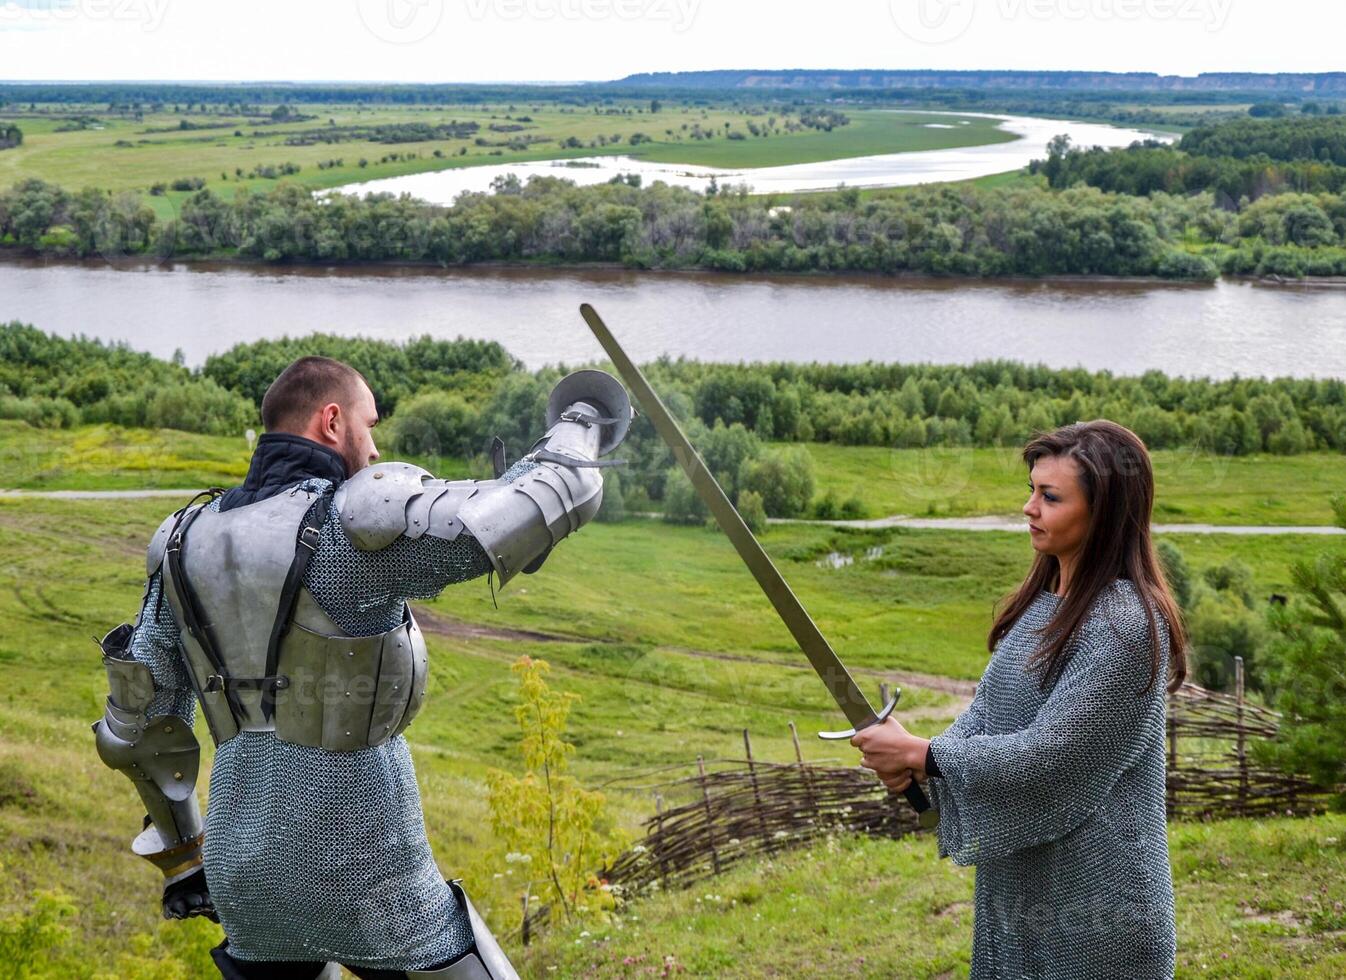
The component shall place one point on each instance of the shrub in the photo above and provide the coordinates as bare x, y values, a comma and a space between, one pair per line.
435, 423
783, 478
41, 413
825, 508
682, 504
547, 821
201, 406
1303, 671
751, 510
853, 509
613, 508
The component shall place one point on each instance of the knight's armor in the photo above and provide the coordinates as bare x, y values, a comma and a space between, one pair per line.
280, 607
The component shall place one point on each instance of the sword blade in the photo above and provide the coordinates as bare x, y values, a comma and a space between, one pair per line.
824, 659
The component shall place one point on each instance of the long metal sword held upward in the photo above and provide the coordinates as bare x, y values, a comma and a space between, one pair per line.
806, 633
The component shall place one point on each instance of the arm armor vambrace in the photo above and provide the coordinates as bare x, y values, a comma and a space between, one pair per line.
160, 756
515, 523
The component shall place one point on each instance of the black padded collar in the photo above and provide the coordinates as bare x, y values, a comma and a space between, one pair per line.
280, 461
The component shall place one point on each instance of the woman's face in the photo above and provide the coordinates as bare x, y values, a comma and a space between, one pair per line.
1057, 512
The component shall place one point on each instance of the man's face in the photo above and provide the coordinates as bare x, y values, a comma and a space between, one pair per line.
357, 431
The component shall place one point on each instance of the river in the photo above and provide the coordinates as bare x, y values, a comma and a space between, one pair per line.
882, 170
1213, 330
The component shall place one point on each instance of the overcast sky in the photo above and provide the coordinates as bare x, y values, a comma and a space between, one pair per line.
497, 40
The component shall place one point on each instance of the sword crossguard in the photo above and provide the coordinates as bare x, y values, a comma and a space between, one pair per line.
926, 815
878, 719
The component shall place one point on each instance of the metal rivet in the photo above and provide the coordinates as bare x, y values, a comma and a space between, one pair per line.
395, 687
348, 734
378, 476
168, 729
348, 694
177, 775
350, 653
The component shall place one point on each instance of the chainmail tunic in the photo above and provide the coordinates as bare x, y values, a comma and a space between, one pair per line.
1058, 799
312, 854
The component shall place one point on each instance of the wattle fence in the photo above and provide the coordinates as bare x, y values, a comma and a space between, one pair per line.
732, 809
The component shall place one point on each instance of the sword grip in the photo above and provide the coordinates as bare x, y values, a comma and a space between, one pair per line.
926, 816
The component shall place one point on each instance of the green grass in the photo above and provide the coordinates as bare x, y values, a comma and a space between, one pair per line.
869, 132
1255, 899
673, 652
1190, 487
85, 158
107, 457
940, 481
110, 457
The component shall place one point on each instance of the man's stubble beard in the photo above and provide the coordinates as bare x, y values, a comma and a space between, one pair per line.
351, 456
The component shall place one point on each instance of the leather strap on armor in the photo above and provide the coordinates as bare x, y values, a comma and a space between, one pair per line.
304, 549
199, 630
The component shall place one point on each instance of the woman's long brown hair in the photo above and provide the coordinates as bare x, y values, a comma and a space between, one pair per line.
1118, 484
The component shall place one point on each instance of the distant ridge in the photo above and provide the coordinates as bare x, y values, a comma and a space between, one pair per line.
1282, 83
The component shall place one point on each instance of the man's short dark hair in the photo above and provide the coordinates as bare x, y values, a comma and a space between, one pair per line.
306, 386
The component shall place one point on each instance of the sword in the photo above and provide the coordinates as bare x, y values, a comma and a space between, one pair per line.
824, 659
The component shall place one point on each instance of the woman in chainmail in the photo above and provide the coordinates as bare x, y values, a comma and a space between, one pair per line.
1052, 781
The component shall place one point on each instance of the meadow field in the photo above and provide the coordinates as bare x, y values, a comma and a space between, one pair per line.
1193, 486
120, 152
663, 636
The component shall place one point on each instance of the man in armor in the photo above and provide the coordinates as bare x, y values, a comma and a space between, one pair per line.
281, 607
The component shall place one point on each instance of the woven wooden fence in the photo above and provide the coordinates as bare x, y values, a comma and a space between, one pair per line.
1210, 769
749, 807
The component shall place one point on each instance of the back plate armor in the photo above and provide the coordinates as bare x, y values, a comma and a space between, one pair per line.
262, 654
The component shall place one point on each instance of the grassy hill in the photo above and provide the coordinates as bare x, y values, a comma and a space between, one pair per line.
1255, 899
673, 652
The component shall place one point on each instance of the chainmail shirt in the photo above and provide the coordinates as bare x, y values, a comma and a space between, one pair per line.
1058, 799
312, 854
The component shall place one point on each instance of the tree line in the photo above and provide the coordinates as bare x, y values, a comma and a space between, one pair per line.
1151, 167
1306, 137
1236, 159
449, 398
940, 230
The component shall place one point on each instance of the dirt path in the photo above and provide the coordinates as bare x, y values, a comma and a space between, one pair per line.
989, 523
992, 523
447, 626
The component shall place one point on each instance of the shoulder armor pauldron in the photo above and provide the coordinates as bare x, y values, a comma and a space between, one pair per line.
387, 500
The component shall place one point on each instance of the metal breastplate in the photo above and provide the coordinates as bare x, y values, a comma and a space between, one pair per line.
332, 690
